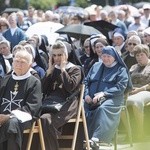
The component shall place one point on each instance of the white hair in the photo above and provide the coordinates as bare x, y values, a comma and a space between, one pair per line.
24, 54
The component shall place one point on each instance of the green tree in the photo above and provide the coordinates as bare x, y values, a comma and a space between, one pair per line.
18, 3
43, 4
49, 4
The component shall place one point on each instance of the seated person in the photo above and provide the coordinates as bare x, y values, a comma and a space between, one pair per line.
20, 48
6, 51
97, 43
62, 79
35, 66
140, 76
105, 85
20, 101
86, 49
128, 56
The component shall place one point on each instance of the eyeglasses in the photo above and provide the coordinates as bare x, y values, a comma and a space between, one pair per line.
3, 47
134, 44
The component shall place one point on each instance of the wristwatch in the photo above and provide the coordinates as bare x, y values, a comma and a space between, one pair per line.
11, 116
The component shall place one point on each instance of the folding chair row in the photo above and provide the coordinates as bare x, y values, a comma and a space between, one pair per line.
79, 118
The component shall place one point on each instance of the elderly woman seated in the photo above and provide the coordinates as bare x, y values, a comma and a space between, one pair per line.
105, 85
140, 76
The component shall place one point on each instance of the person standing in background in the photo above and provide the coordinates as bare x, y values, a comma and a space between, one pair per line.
14, 34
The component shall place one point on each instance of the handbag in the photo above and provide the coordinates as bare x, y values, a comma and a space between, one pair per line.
99, 102
50, 106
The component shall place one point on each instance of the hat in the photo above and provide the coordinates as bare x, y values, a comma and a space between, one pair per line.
146, 6
137, 15
110, 50
93, 38
119, 32
101, 40
55, 46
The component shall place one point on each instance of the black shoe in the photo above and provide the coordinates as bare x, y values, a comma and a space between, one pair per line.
85, 145
93, 145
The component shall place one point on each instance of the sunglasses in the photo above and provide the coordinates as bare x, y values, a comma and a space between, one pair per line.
134, 44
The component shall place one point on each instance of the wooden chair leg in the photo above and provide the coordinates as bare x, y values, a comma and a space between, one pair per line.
41, 134
75, 132
77, 120
30, 136
85, 129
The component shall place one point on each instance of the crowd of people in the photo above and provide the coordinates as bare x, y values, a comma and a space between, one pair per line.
33, 72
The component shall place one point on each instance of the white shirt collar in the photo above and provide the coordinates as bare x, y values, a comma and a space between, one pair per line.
8, 56
25, 76
69, 65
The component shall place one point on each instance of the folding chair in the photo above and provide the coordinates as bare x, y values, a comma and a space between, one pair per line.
126, 121
79, 118
36, 128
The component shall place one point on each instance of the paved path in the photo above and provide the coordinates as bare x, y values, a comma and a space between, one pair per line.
136, 146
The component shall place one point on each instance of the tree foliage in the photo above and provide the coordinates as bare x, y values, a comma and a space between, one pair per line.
18, 4
49, 4
43, 4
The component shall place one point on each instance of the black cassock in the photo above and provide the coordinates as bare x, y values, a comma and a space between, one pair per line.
23, 94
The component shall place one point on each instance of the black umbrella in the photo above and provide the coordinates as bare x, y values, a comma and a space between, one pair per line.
103, 26
78, 31
10, 10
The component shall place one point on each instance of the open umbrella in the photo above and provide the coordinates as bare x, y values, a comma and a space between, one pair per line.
70, 10
103, 26
45, 28
140, 4
78, 31
10, 10
133, 10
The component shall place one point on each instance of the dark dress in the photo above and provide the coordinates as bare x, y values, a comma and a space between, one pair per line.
57, 87
129, 60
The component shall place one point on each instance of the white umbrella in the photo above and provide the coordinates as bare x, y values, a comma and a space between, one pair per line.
45, 28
